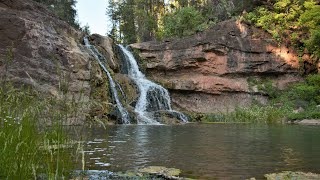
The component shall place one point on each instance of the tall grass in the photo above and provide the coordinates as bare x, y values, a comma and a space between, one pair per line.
28, 148
254, 114
300, 101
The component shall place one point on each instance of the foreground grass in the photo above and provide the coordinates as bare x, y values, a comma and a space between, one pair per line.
25, 143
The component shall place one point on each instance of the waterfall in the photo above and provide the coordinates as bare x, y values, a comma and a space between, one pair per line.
153, 97
100, 58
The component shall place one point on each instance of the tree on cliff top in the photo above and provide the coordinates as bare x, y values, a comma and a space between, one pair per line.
293, 22
183, 22
145, 20
65, 9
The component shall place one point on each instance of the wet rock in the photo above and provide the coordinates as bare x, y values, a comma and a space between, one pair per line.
308, 122
210, 71
292, 175
129, 175
168, 117
128, 90
105, 46
167, 173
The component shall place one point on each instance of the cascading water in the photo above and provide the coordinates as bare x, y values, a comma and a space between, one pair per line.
153, 97
100, 58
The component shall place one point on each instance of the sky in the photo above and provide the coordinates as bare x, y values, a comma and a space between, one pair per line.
93, 13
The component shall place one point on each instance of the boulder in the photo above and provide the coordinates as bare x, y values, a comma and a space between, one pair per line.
292, 175
161, 171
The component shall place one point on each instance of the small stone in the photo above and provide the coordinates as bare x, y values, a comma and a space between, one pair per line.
161, 170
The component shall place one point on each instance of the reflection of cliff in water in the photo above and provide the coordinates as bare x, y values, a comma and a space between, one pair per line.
205, 151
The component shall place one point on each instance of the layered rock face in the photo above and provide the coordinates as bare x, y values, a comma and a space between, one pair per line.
219, 69
46, 54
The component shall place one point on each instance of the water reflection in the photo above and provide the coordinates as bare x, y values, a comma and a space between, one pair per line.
205, 151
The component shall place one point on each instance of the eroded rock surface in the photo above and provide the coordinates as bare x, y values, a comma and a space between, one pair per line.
48, 55
219, 69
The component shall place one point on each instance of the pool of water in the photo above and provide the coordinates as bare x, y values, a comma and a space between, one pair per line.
204, 151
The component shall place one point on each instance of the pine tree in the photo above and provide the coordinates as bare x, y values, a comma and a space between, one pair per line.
65, 9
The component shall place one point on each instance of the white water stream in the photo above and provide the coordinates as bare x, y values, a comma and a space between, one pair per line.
100, 58
153, 97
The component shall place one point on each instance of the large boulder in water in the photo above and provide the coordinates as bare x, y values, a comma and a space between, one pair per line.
220, 68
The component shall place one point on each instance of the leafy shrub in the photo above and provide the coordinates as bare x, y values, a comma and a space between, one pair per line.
309, 114
304, 96
293, 21
185, 21
308, 91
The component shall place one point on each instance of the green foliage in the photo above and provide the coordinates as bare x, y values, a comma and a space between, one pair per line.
86, 29
255, 114
183, 22
292, 21
134, 20
307, 114
308, 91
65, 9
304, 96
313, 43
310, 20
300, 101
263, 85
145, 20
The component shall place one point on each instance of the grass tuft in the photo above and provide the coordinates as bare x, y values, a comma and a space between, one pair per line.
26, 142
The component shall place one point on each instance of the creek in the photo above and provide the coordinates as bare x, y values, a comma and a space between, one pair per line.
204, 151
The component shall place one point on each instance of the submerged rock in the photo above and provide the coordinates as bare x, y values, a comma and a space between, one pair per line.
151, 172
161, 171
308, 122
289, 175
167, 117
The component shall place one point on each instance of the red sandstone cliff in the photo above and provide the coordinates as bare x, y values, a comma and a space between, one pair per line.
219, 69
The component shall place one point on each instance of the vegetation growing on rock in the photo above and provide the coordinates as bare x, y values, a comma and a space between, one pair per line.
65, 9
298, 102
296, 23
140, 20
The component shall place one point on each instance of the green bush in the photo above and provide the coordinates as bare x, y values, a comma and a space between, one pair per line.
293, 21
185, 21
304, 97
308, 91
308, 114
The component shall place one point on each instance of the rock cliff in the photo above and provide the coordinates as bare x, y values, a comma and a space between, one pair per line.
229, 65
38, 49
